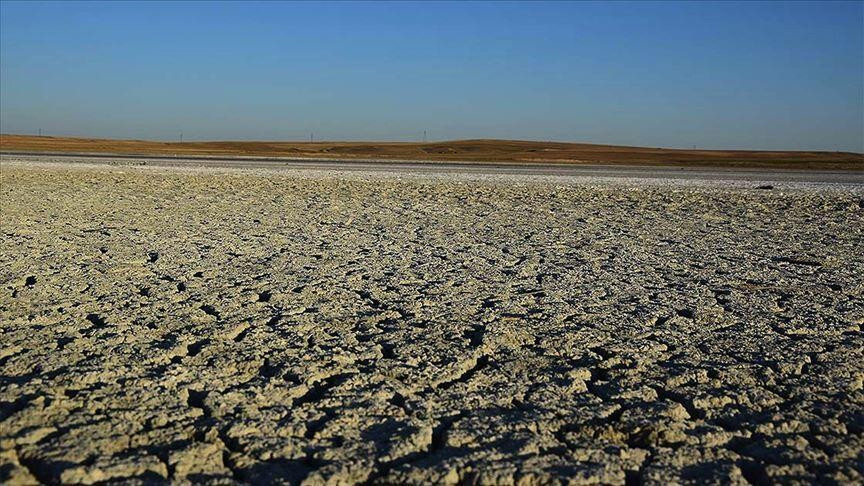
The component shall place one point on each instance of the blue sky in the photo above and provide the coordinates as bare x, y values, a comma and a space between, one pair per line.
752, 75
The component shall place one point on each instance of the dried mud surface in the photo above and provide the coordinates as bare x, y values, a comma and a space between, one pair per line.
222, 326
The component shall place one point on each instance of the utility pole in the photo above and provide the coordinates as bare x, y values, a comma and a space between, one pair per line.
181, 137
40, 132
311, 137
424, 136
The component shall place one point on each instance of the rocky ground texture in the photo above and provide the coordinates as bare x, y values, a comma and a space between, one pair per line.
222, 326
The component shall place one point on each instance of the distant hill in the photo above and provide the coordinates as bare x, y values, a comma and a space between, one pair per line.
515, 151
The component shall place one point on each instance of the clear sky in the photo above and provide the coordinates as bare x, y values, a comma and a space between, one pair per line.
752, 75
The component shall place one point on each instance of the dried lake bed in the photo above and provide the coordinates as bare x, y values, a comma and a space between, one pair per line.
219, 325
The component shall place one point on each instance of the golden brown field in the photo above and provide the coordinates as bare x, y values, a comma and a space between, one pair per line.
461, 150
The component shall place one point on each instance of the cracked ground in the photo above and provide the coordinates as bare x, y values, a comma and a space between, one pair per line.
223, 326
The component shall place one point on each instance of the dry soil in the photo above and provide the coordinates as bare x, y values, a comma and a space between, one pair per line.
512, 151
264, 326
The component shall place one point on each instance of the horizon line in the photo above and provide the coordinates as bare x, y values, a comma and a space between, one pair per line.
419, 142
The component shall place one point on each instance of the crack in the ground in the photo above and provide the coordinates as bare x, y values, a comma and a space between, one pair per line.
466, 375
210, 310
319, 388
475, 335
436, 443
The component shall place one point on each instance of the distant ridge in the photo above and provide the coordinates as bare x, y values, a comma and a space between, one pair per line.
514, 151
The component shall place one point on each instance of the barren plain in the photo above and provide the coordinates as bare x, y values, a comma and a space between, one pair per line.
502, 151
216, 325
